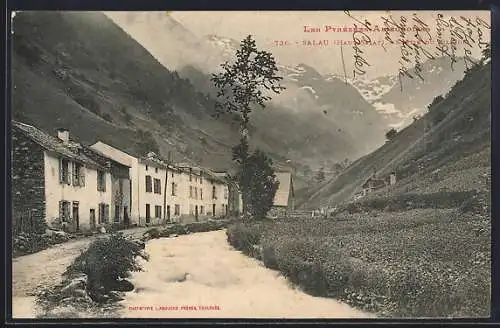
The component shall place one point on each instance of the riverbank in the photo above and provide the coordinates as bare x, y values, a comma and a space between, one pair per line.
400, 264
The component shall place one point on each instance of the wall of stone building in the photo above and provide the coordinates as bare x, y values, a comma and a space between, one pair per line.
120, 198
277, 211
28, 186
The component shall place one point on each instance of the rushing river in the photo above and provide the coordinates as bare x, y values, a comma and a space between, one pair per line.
201, 276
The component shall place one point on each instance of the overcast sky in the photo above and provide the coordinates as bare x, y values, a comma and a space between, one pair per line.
269, 27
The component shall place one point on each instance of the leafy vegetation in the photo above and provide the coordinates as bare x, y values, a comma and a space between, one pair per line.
107, 262
416, 265
391, 134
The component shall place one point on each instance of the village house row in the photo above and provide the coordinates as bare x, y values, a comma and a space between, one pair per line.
77, 187
82, 187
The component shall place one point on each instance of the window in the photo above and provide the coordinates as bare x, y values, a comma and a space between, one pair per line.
225, 193
202, 210
174, 189
172, 174
149, 187
158, 212
214, 193
103, 213
157, 185
148, 213
64, 211
177, 209
117, 213
201, 194
64, 171
156, 170
101, 181
146, 167
190, 175
195, 193
190, 191
201, 180
78, 175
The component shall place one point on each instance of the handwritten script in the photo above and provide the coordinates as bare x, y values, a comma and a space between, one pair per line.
441, 37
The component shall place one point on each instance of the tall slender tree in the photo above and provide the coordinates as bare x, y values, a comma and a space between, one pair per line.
243, 84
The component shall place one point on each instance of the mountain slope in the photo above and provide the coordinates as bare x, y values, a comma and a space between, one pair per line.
83, 72
399, 101
334, 113
451, 141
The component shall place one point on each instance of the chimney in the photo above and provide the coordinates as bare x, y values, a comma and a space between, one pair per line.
63, 134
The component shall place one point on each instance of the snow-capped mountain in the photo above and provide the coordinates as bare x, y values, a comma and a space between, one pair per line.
358, 111
400, 100
376, 88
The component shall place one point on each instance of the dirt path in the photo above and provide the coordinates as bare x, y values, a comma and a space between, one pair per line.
34, 272
189, 272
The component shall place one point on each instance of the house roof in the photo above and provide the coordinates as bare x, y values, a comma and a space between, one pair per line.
286, 185
101, 158
155, 160
53, 144
203, 170
375, 182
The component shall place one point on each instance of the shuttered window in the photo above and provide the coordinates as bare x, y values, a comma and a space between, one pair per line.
78, 174
64, 171
149, 186
64, 211
158, 212
157, 186
101, 181
103, 213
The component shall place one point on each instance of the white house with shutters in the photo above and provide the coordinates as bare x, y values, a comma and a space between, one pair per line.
163, 192
74, 195
153, 182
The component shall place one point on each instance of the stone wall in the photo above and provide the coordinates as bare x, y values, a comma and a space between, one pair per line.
28, 179
277, 211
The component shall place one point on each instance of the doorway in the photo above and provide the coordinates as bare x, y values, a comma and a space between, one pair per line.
126, 220
168, 213
76, 216
117, 213
92, 218
213, 209
196, 212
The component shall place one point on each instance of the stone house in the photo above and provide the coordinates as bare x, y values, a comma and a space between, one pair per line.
120, 187
284, 199
166, 192
53, 179
235, 200
372, 184
203, 194
151, 183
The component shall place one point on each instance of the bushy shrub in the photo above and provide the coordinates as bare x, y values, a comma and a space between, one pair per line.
243, 237
29, 243
418, 263
107, 261
153, 233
